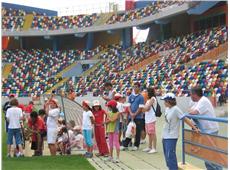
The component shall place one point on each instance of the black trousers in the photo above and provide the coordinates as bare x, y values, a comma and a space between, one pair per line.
140, 125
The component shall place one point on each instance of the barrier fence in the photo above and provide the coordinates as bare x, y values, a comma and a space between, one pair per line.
205, 146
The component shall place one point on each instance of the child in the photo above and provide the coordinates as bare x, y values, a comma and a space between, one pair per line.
150, 121
113, 129
87, 127
100, 115
37, 126
120, 106
78, 139
170, 135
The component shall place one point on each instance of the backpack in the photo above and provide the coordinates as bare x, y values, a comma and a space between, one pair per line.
157, 111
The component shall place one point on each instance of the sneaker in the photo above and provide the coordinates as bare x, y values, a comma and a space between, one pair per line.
143, 141
122, 148
88, 155
152, 151
146, 149
8, 155
109, 159
19, 154
116, 160
134, 148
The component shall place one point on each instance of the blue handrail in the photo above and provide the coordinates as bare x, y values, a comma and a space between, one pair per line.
217, 119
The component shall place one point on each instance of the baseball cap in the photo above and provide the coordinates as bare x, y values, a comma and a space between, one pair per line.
117, 96
112, 103
169, 96
96, 103
86, 103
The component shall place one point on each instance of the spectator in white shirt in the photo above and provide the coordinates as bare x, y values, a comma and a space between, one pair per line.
150, 121
203, 106
13, 116
53, 113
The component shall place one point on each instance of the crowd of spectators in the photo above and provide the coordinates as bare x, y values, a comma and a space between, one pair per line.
34, 71
140, 13
64, 22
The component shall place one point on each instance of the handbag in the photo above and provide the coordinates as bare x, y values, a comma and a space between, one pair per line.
157, 111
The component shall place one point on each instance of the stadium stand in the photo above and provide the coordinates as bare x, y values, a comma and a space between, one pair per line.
34, 71
12, 23
187, 48
64, 22
151, 9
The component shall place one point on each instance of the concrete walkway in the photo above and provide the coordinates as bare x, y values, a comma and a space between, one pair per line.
138, 160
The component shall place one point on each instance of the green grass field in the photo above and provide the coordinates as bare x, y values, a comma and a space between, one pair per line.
42, 163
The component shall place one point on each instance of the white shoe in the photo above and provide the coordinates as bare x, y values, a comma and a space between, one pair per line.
146, 149
134, 148
143, 141
122, 148
109, 159
152, 151
116, 160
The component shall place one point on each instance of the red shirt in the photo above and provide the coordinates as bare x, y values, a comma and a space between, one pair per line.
99, 116
39, 125
29, 108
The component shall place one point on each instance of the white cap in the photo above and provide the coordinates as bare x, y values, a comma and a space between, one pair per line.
168, 96
96, 103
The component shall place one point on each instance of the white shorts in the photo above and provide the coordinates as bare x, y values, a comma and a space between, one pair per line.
51, 135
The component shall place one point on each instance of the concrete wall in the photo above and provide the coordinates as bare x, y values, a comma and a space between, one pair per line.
180, 25
154, 32
105, 38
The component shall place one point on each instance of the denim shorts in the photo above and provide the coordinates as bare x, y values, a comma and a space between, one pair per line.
16, 133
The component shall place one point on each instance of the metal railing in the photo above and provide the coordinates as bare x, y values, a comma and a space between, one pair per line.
205, 146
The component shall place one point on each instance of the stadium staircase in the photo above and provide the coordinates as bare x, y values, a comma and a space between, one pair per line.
92, 69
65, 70
59, 75
220, 52
104, 17
28, 21
60, 83
6, 70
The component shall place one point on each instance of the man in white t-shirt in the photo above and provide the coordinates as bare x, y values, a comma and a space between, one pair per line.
13, 116
203, 106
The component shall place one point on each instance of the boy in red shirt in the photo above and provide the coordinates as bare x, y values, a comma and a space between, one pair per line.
37, 127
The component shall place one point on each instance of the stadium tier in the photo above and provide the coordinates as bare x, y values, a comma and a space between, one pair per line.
34, 71
65, 22
151, 9
12, 23
42, 22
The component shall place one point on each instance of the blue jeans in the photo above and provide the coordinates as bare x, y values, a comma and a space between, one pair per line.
16, 133
169, 148
209, 165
